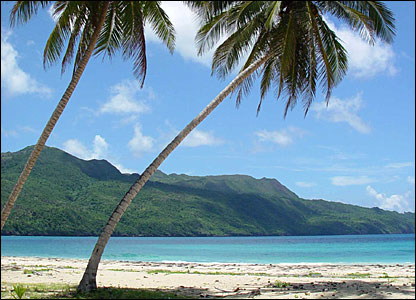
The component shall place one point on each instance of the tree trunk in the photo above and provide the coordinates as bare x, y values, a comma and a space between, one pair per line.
88, 281
52, 121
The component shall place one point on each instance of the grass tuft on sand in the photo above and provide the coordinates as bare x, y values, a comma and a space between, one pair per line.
62, 291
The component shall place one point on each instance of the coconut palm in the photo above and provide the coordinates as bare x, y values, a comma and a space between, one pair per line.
289, 45
99, 27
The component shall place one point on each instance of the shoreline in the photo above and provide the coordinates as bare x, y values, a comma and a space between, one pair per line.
230, 280
217, 262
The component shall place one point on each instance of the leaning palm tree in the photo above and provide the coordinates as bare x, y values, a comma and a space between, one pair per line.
99, 27
289, 45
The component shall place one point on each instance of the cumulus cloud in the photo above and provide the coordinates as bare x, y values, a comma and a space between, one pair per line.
398, 203
201, 138
282, 137
124, 99
350, 180
365, 60
78, 149
186, 27
100, 150
16, 81
305, 184
342, 111
196, 138
140, 143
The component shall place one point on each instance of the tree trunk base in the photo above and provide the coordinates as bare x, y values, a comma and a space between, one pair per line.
87, 284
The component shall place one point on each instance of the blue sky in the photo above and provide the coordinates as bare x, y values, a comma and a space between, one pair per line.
359, 150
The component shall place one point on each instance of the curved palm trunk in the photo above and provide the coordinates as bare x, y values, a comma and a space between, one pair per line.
88, 281
52, 121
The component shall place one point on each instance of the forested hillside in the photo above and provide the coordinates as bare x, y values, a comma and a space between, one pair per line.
65, 195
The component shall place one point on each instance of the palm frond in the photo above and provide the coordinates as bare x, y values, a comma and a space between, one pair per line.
134, 43
383, 20
227, 56
61, 31
273, 14
160, 23
22, 11
209, 34
111, 35
74, 38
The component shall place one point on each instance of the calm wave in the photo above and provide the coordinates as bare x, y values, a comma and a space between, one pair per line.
389, 248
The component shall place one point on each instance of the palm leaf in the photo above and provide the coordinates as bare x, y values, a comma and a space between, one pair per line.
22, 11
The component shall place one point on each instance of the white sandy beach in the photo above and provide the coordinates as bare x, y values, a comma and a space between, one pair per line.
199, 280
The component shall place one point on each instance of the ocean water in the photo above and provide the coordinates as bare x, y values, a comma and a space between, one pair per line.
348, 249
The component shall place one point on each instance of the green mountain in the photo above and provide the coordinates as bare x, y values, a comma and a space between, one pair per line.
65, 195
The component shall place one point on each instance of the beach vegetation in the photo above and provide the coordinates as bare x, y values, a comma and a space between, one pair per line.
18, 291
358, 275
33, 271
314, 274
66, 291
206, 273
386, 275
68, 267
37, 266
281, 284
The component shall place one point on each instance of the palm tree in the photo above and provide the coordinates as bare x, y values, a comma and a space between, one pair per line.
288, 40
96, 26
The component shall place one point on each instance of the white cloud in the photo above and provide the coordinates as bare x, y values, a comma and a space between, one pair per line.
350, 180
28, 129
411, 179
399, 203
123, 170
13, 78
282, 137
400, 165
100, 147
99, 151
186, 27
76, 148
195, 139
124, 99
305, 184
365, 60
8, 133
140, 143
201, 138
342, 111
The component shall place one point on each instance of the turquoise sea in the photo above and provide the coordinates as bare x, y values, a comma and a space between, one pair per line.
389, 248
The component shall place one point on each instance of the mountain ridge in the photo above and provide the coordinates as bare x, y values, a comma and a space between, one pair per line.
66, 195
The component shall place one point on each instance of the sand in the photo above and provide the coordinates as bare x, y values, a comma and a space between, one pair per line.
229, 280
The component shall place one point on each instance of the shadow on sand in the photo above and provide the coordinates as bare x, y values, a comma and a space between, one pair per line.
324, 290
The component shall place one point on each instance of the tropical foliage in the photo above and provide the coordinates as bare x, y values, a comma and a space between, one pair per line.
303, 52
